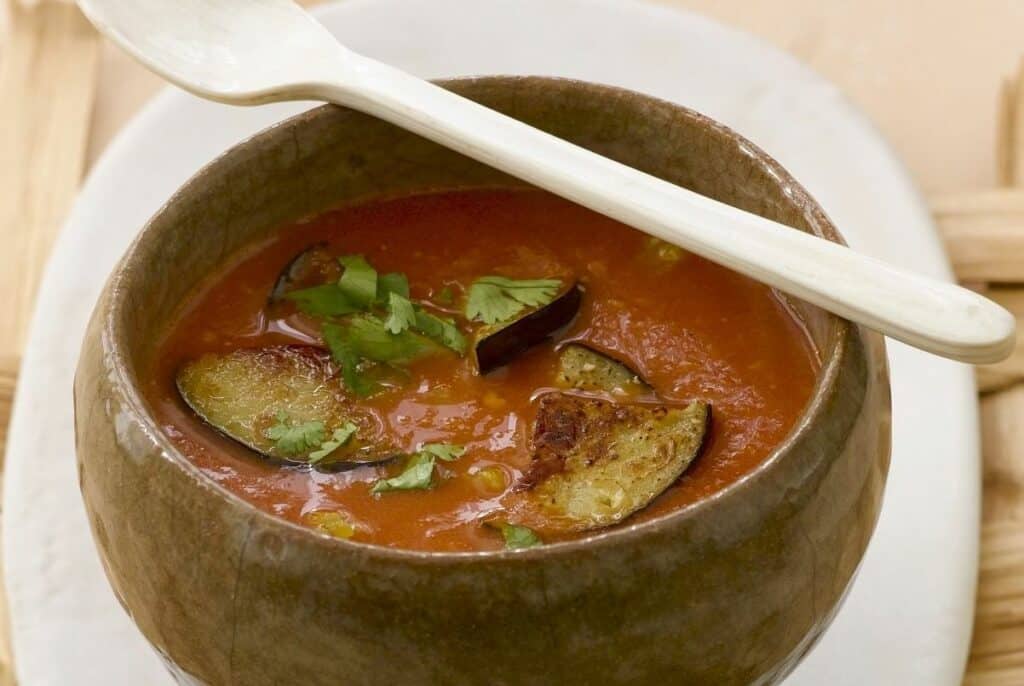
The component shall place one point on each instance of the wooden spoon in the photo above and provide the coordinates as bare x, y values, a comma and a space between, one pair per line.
248, 52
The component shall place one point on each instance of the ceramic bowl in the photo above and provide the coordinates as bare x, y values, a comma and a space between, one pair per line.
731, 590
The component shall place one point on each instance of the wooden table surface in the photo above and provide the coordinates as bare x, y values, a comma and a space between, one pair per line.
940, 80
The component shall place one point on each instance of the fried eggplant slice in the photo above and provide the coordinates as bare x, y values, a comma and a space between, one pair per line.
311, 267
596, 462
498, 344
583, 368
286, 403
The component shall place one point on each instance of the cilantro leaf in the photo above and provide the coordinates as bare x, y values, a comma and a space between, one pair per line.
417, 475
341, 351
488, 304
445, 297
401, 313
419, 470
359, 280
327, 300
339, 438
443, 451
365, 338
405, 334
518, 537
370, 339
295, 439
392, 283
532, 292
440, 329
494, 299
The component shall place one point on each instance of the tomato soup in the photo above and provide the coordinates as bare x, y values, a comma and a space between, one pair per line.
462, 435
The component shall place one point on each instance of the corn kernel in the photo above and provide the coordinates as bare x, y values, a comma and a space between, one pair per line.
669, 252
493, 401
493, 479
666, 252
332, 523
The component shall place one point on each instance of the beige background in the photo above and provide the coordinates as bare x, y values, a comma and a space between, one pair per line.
927, 72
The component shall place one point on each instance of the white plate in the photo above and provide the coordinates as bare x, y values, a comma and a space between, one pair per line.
907, 619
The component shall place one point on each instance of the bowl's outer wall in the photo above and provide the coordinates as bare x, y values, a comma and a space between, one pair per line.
729, 592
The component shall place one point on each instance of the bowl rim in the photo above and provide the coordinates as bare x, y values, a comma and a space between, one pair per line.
832, 356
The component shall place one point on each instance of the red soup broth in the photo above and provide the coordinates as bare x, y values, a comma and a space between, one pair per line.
692, 329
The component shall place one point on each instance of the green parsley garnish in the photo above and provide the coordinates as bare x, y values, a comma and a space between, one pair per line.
364, 338
382, 326
443, 451
401, 313
339, 438
419, 470
327, 300
350, 293
343, 353
359, 280
441, 330
517, 537
494, 299
296, 439
418, 474
392, 283
370, 339
445, 297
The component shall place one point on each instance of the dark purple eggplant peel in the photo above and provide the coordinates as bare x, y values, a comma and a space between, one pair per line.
499, 344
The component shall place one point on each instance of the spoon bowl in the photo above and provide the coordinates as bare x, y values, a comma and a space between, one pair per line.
246, 53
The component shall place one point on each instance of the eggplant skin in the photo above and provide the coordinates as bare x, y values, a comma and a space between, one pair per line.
241, 393
311, 267
583, 368
499, 344
597, 462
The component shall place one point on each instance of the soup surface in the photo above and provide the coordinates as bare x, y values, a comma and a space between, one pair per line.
690, 331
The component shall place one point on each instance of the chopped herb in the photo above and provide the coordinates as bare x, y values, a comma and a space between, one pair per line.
352, 292
517, 537
295, 440
440, 329
328, 300
443, 451
445, 297
358, 380
401, 313
417, 475
365, 337
419, 470
494, 299
392, 283
336, 338
339, 438
406, 333
359, 280
371, 340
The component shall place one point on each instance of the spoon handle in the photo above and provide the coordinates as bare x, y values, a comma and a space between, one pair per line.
939, 317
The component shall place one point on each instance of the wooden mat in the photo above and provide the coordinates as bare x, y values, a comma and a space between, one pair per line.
53, 72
